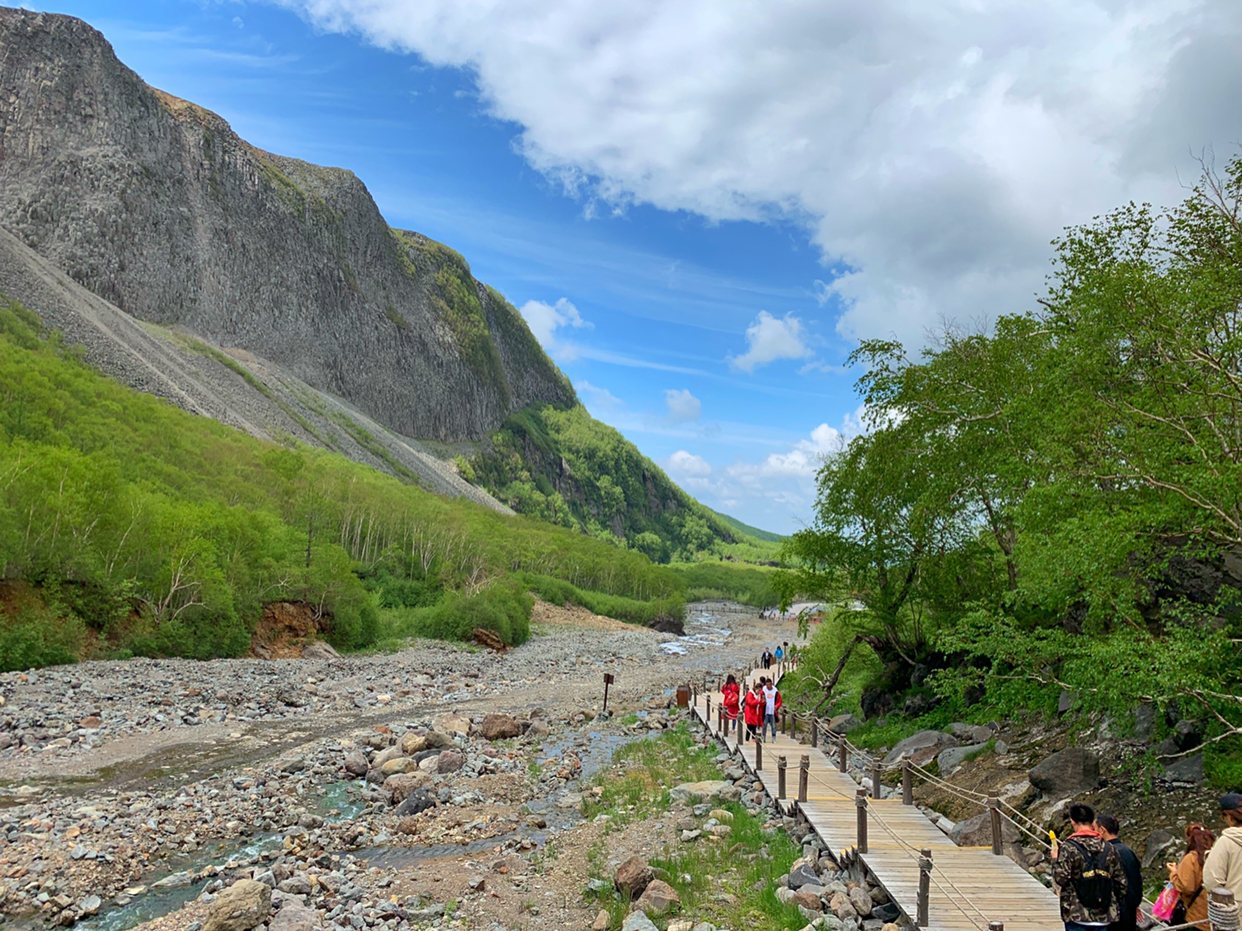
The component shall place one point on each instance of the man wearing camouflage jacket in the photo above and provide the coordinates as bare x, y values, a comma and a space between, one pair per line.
1068, 864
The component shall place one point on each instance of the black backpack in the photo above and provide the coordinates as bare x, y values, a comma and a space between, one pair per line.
1095, 886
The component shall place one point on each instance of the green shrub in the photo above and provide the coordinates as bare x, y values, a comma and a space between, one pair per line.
36, 636
560, 592
197, 633
504, 609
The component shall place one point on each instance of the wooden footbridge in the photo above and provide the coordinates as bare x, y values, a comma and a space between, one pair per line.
935, 883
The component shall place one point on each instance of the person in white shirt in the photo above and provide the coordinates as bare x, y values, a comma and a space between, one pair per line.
771, 699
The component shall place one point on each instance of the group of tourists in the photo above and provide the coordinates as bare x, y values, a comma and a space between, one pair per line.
1101, 884
758, 708
782, 651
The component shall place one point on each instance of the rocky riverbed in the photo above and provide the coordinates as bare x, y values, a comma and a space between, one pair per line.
378, 791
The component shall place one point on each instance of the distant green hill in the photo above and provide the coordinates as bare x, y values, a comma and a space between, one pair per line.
560, 464
765, 535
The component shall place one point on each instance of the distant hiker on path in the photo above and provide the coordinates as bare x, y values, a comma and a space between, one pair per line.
771, 704
766, 658
731, 693
1088, 872
1224, 864
754, 702
779, 654
1109, 830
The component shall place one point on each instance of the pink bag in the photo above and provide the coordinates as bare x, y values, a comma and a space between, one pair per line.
1165, 903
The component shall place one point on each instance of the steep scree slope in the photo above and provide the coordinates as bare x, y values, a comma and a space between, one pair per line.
157, 206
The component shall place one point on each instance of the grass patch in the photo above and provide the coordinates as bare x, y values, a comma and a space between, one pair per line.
746, 863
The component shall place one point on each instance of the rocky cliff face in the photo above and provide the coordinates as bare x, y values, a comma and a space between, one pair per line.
157, 206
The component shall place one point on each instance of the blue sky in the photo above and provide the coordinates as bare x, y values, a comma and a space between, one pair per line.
701, 207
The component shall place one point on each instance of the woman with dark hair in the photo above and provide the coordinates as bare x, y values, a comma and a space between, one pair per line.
1224, 863
731, 693
752, 715
1187, 877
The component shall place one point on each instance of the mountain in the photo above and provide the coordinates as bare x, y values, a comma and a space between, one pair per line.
561, 465
270, 294
767, 536
157, 206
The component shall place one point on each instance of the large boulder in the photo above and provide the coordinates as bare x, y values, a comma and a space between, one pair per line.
414, 743
1067, 772
399, 787
951, 759
318, 649
450, 761
452, 724
402, 764
920, 748
355, 763
977, 831
659, 898
499, 727
417, 801
240, 907
711, 788
294, 916
843, 724
1187, 771
802, 875
971, 733
632, 877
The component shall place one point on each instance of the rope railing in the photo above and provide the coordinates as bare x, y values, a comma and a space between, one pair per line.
978, 918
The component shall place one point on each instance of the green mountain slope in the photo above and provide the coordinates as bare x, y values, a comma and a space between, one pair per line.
143, 528
561, 465
765, 535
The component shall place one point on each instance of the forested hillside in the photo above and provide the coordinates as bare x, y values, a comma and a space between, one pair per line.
561, 465
128, 525
1056, 504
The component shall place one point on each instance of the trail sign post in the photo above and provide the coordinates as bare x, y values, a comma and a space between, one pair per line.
608, 680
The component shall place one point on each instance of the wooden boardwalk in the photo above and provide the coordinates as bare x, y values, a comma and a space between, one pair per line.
970, 886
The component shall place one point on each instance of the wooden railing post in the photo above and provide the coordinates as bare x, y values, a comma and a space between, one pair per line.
860, 803
780, 776
1222, 910
793, 723
804, 776
784, 720
994, 812
843, 754
814, 731
996, 926
907, 783
875, 779
708, 716
925, 868
758, 754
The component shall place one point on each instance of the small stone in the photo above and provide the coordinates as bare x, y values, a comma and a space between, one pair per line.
602, 921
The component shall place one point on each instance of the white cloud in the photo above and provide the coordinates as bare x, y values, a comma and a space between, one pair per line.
598, 399
545, 319
931, 149
770, 339
682, 405
683, 465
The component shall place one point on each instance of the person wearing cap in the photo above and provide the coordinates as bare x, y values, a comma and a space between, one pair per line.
1223, 866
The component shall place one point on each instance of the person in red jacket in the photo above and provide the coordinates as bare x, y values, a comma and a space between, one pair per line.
731, 694
753, 713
